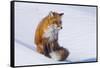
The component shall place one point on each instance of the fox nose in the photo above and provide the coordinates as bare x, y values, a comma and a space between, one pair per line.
61, 27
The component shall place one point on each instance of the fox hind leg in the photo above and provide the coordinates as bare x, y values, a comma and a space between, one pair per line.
40, 49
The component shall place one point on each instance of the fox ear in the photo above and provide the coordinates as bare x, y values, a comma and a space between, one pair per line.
61, 14
51, 13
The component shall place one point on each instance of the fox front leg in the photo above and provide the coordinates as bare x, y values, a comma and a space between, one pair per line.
54, 46
46, 47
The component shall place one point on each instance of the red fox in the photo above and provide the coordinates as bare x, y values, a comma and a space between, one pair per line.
46, 37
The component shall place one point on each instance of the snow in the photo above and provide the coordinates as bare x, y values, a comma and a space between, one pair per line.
78, 34
27, 55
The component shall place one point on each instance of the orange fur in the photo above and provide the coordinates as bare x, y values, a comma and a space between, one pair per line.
44, 46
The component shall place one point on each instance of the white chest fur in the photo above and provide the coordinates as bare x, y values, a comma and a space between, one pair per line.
51, 32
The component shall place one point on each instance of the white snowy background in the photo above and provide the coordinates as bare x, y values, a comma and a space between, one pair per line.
78, 34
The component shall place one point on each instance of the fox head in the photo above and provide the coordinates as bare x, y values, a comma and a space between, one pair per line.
55, 19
